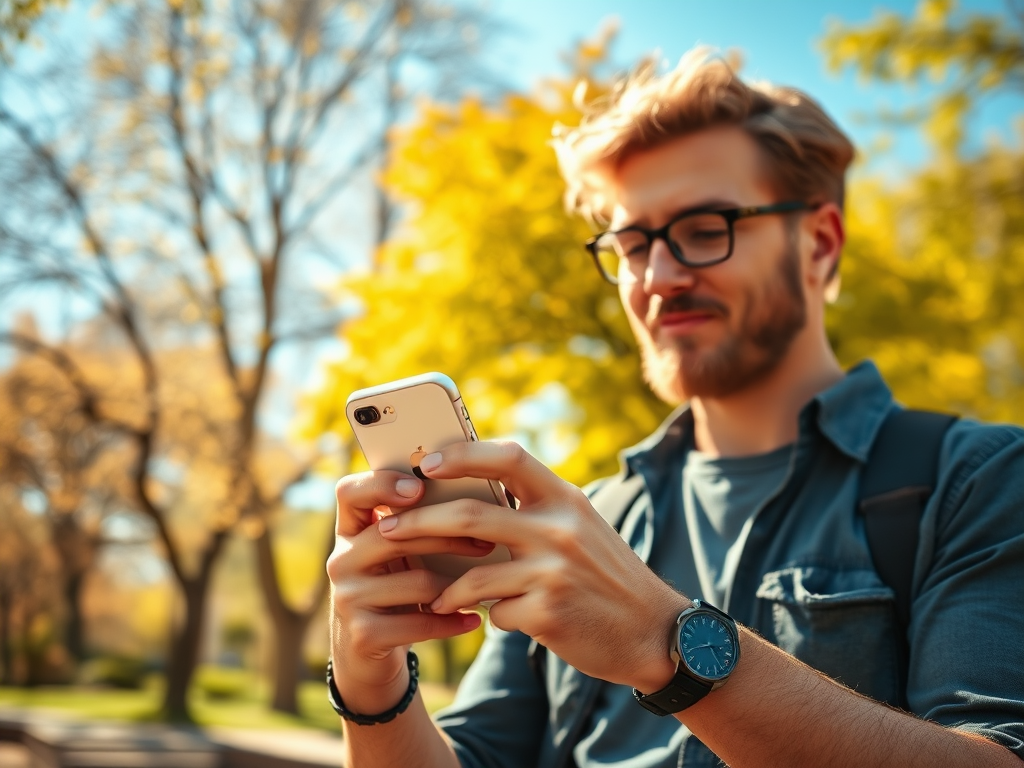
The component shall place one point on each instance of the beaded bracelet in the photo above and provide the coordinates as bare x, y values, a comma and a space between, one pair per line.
384, 717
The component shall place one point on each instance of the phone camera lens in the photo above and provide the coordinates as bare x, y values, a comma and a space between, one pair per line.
367, 415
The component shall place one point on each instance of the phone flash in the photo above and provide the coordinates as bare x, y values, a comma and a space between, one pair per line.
388, 410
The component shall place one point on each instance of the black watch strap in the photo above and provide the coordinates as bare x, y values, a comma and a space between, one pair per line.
687, 687
681, 692
384, 717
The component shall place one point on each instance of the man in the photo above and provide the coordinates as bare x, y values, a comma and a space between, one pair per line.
726, 227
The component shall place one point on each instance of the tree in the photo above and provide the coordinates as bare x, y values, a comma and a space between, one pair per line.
52, 453
194, 200
516, 314
28, 601
965, 56
934, 263
16, 20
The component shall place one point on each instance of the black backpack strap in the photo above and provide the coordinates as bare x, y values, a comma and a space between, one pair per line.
900, 475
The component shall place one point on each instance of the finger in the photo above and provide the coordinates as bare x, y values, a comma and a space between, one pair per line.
392, 590
507, 462
372, 634
470, 518
370, 550
358, 495
498, 581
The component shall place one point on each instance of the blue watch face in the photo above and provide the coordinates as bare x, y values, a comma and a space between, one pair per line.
707, 646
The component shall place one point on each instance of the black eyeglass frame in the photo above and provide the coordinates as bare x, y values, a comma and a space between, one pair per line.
731, 215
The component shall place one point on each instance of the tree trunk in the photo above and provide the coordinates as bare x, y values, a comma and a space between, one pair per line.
289, 632
184, 655
289, 625
6, 642
74, 630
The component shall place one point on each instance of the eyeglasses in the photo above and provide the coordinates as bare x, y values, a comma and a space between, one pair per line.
694, 238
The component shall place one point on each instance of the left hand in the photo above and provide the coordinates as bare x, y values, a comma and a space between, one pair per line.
573, 584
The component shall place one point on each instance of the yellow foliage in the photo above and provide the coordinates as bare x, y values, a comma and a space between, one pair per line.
488, 282
967, 54
931, 278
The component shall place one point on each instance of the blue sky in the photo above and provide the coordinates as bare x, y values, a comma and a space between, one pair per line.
779, 39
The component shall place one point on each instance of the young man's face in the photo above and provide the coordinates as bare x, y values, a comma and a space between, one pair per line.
709, 331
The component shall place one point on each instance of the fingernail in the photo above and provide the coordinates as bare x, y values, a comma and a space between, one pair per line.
470, 620
387, 524
435, 605
407, 487
430, 462
482, 544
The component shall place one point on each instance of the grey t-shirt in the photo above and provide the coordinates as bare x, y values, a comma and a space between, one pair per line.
719, 499
710, 503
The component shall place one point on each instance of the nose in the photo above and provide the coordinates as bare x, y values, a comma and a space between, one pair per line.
664, 274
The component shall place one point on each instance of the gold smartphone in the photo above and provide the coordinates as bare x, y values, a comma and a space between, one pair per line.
398, 423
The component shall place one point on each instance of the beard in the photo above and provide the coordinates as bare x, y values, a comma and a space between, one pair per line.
772, 316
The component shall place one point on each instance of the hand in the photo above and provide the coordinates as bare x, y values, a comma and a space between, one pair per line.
374, 595
573, 584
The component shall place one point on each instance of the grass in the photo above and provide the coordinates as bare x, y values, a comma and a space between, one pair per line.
249, 709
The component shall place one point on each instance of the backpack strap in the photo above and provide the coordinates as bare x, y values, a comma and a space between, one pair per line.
615, 497
897, 481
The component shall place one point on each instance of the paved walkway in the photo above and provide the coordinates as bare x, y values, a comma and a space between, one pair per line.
59, 740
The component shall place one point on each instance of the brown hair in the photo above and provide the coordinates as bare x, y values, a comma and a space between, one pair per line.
806, 154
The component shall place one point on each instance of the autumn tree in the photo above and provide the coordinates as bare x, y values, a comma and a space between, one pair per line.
964, 58
28, 600
489, 283
16, 20
194, 199
54, 455
935, 260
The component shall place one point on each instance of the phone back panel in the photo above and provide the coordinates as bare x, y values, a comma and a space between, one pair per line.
419, 419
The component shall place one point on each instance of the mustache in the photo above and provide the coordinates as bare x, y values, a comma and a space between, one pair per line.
687, 302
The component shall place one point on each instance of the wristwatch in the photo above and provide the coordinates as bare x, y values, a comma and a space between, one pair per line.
705, 647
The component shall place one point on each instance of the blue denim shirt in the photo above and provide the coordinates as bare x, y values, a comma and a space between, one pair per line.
804, 581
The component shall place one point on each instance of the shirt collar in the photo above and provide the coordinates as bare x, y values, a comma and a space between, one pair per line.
848, 414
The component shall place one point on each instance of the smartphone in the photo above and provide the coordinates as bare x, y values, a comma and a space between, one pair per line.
398, 423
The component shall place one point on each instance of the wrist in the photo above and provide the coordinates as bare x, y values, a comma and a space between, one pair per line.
369, 694
658, 668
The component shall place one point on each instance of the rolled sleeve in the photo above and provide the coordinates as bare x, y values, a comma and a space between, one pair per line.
966, 665
500, 713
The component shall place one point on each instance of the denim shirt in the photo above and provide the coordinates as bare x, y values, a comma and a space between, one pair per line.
805, 581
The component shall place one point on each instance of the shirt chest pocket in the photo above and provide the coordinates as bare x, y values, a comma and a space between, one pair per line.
841, 622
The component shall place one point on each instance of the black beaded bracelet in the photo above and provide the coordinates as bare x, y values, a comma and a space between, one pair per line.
384, 717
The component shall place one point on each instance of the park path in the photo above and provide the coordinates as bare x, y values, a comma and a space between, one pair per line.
38, 738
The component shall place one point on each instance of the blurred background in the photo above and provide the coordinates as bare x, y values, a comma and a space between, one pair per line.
218, 218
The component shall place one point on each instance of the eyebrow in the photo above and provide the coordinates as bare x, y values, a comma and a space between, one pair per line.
712, 204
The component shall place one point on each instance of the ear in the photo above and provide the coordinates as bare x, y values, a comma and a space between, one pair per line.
828, 234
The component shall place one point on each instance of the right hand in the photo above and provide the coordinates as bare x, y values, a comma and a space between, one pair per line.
374, 594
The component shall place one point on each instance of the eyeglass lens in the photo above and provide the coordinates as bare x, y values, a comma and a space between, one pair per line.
701, 238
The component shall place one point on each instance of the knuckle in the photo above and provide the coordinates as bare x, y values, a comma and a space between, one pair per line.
563, 534
345, 486
339, 559
344, 595
469, 513
361, 633
514, 453
334, 566
474, 580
